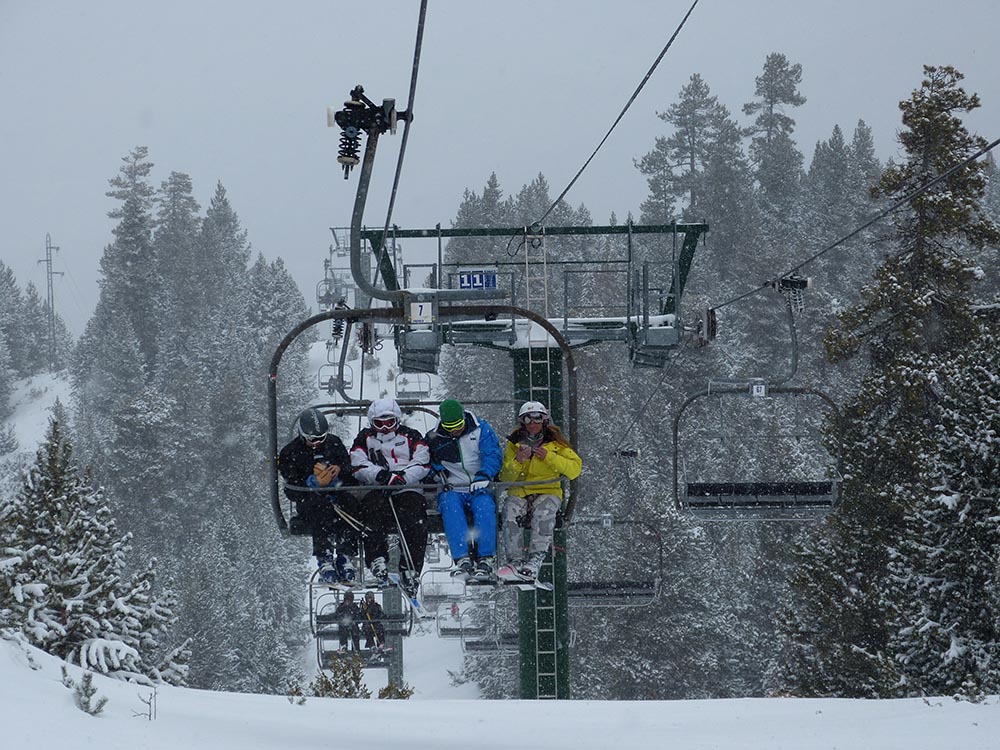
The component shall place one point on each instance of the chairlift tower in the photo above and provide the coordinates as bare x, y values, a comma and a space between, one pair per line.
648, 322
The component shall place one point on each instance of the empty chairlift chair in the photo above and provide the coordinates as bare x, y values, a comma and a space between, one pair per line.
755, 452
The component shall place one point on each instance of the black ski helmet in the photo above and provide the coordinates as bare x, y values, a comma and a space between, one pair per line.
312, 425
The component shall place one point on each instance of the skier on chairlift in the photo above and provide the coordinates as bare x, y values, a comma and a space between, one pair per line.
317, 459
465, 453
372, 625
387, 452
347, 616
535, 451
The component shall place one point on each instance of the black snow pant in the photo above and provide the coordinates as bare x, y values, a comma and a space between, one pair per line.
330, 533
411, 510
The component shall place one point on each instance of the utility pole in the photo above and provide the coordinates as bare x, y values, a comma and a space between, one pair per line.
50, 298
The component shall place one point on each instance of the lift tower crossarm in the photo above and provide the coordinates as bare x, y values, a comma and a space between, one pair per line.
692, 233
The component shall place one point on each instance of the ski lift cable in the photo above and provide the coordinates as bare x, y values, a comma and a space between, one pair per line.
878, 217
406, 135
654, 391
628, 104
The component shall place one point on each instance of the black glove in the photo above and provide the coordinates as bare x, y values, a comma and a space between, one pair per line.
397, 478
383, 477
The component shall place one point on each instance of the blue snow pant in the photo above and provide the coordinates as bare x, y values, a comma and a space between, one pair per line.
452, 505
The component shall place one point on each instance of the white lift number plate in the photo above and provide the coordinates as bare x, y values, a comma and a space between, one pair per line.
421, 312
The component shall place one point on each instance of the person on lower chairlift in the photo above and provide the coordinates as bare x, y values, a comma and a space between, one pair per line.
348, 615
535, 451
372, 622
465, 453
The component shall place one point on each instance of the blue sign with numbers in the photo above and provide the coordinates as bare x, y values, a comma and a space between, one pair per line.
473, 280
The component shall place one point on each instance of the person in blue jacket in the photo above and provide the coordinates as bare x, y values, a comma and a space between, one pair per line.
466, 454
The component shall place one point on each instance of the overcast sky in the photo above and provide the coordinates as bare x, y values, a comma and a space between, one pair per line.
237, 92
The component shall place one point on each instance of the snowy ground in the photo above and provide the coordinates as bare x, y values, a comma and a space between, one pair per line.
37, 713
32, 402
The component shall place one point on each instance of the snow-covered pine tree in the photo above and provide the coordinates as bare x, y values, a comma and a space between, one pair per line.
676, 165
917, 312
108, 375
65, 582
11, 320
276, 306
777, 160
131, 284
946, 635
6, 379
34, 332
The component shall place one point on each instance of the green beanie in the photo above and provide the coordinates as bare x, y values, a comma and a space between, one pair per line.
451, 412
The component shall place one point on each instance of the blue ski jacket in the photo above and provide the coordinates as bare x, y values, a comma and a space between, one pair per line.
461, 459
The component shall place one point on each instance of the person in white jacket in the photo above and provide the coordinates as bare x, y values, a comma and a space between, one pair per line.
387, 453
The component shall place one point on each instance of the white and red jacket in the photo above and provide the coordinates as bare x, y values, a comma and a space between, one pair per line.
404, 450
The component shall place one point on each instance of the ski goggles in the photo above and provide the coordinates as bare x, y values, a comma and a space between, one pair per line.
384, 423
456, 425
535, 416
314, 439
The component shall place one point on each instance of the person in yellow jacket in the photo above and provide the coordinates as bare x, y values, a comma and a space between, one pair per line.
535, 451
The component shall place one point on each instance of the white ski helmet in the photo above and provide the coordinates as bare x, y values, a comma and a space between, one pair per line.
533, 407
383, 410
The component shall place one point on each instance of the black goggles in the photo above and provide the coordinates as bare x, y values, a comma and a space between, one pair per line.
533, 417
384, 422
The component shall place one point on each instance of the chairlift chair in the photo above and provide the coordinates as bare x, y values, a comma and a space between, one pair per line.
332, 379
639, 589
797, 493
413, 386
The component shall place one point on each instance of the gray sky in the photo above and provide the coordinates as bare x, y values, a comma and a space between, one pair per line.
237, 92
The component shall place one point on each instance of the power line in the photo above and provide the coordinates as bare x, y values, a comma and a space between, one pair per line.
628, 104
906, 199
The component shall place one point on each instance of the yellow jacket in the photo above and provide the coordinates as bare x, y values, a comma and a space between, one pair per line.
560, 461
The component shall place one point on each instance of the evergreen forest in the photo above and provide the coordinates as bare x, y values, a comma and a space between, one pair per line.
139, 541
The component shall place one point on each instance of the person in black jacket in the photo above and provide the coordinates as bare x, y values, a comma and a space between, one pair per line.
372, 625
348, 615
316, 459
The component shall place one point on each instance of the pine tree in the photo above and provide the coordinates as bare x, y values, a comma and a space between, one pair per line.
66, 587
676, 165
6, 378
12, 322
34, 332
131, 286
917, 311
778, 162
946, 636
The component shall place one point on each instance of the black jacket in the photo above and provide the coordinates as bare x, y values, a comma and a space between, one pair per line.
296, 461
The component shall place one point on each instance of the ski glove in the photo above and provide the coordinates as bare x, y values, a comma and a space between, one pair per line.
479, 483
397, 478
324, 476
383, 477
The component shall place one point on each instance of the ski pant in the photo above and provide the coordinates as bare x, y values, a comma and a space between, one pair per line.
330, 533
349, 630
452, 504
382, 509
374, 633
542, 510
